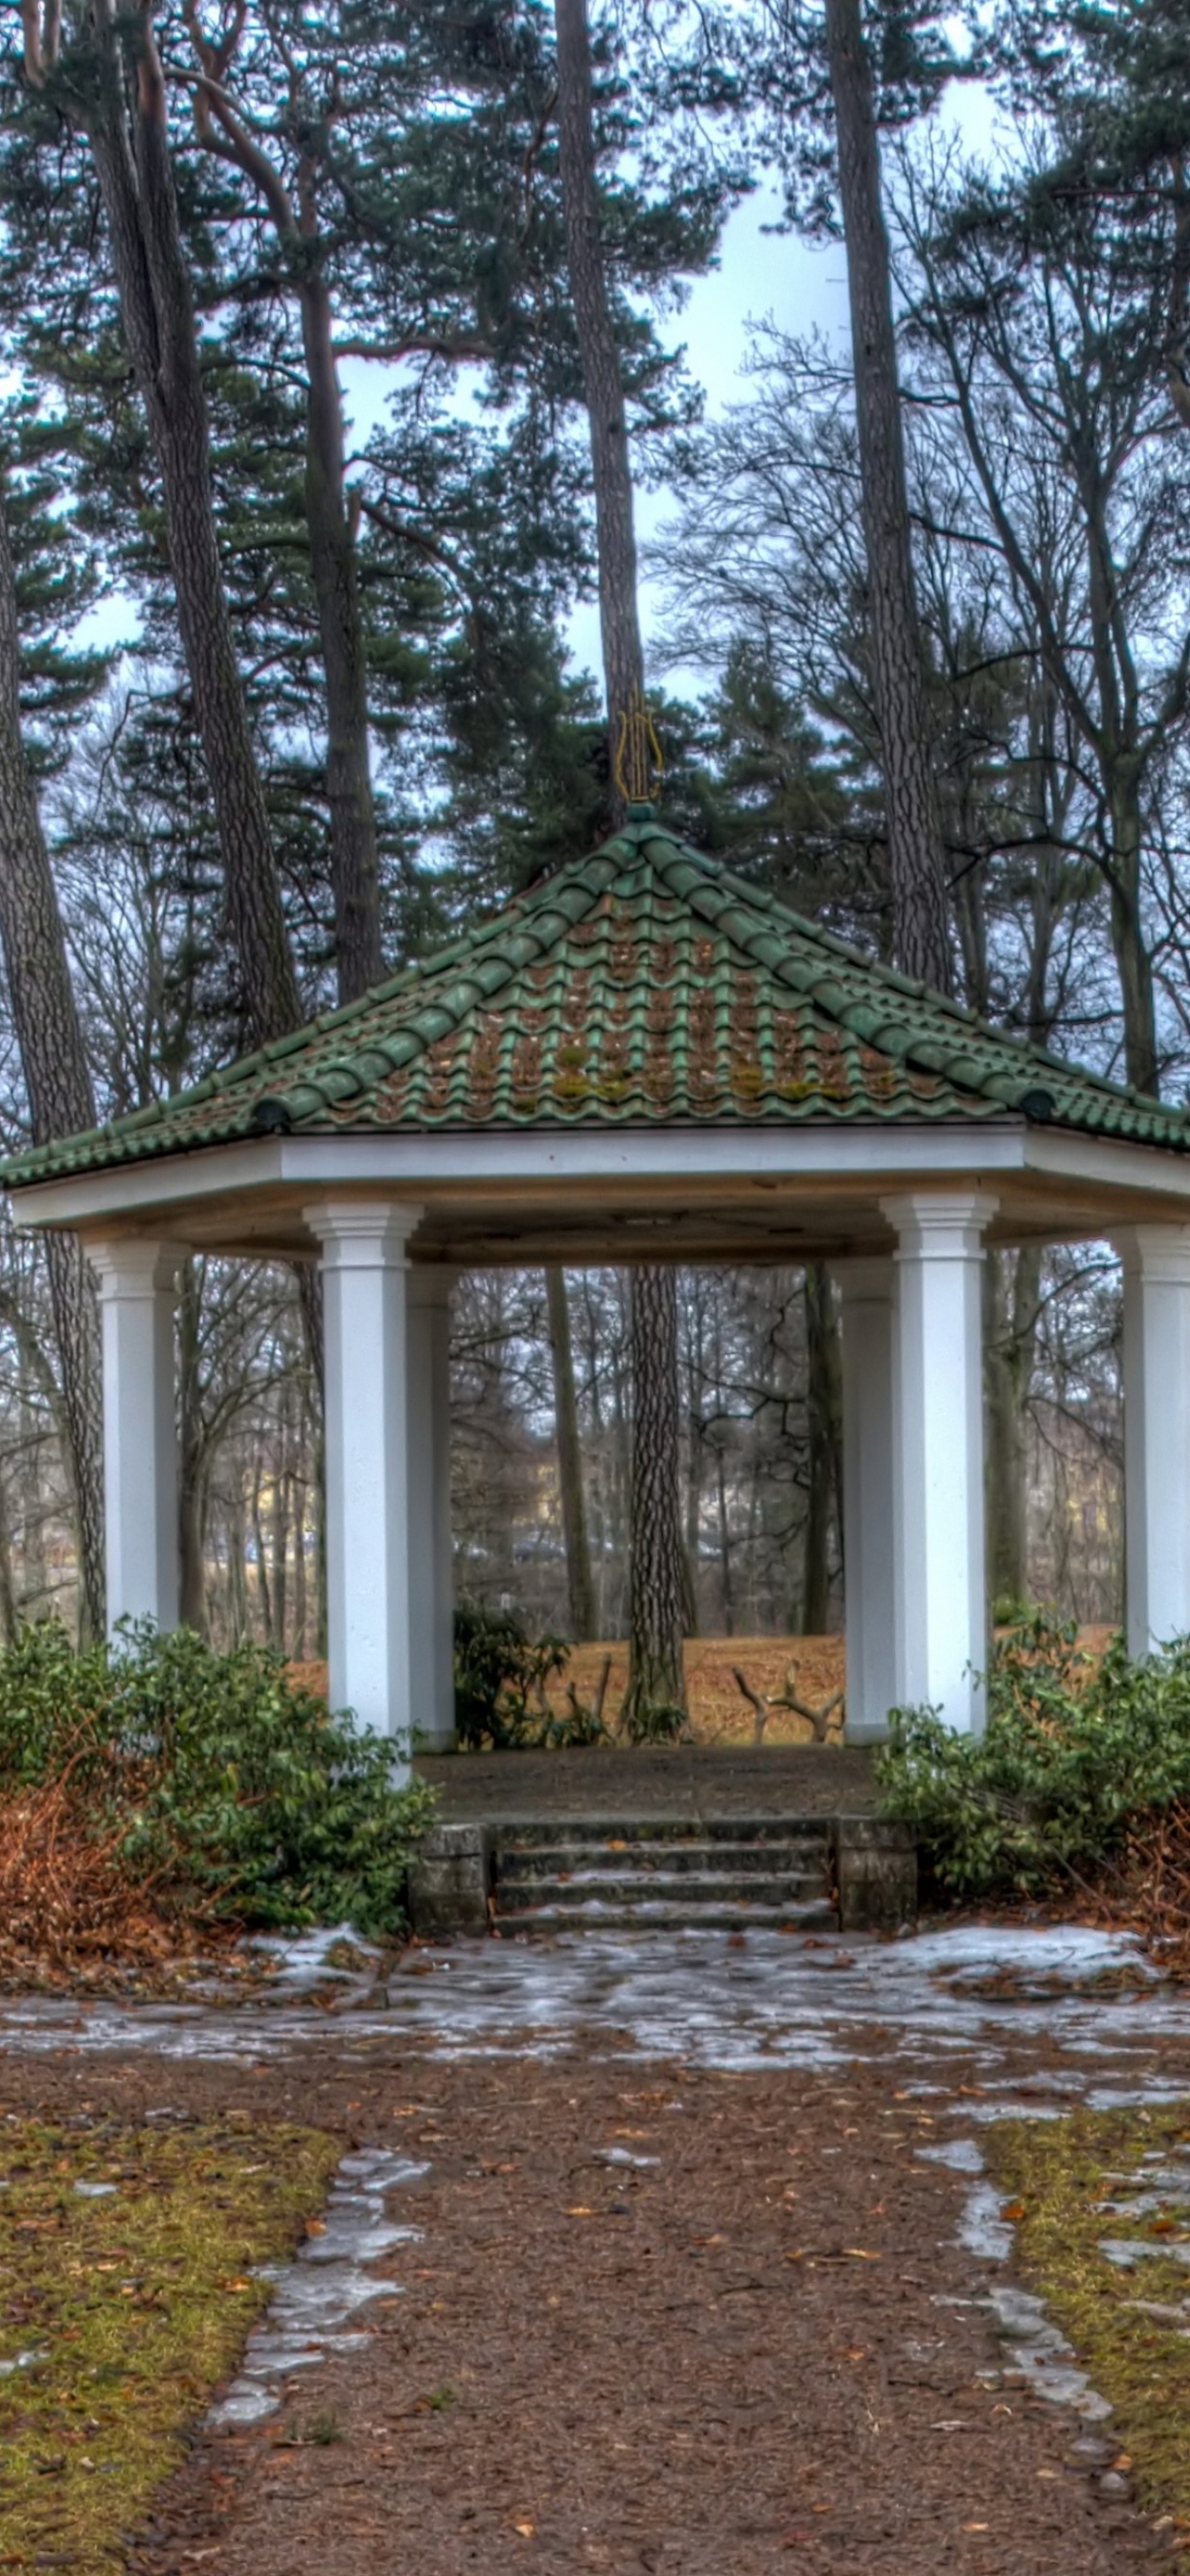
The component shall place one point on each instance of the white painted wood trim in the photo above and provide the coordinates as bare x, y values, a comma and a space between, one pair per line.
489, 1156
364, 1263
499, 1159
137, 1289
938, 1453
1156, 1261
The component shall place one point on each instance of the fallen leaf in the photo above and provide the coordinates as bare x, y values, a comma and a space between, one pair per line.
1013, 2209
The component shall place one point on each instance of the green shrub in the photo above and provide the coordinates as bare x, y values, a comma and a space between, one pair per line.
1073, 1754
228, 1784
499, 1672
656, 1721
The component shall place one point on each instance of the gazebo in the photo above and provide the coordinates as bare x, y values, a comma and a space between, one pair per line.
639, 1058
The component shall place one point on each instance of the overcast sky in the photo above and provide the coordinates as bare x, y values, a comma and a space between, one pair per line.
759, 274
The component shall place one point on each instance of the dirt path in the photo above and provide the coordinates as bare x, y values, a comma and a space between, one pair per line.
761, 2344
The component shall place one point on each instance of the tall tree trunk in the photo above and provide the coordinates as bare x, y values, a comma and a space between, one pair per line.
623, 658
728, 1596
355, 871
279, 1534
1134, 966
579, 1589
58, 1081
917, 858
355, 867
239, 1624
824, 1415
9, 1618
33, 1590
655, 1620
192, 1590
298, 1496
262, 1571
1012, 1286
130, 142
655, 1672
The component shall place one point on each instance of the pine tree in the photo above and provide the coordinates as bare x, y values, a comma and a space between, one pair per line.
655, 1677
57, 1079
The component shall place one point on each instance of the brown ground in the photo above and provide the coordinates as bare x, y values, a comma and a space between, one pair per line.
718, 1712
738, 2360
671, 1780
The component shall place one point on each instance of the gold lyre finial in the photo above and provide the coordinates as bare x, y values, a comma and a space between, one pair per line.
639, 765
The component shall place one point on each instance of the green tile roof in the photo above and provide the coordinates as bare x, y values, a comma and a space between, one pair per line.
638, 987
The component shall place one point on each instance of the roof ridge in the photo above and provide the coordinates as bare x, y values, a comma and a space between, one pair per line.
642, 981
971, 1023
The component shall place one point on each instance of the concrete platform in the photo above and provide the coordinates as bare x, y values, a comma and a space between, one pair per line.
680, 1781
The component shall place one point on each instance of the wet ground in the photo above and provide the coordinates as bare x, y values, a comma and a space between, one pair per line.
673, 2253
661, 1780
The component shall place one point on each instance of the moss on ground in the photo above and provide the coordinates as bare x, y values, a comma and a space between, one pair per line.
122, 2307
1057, 2177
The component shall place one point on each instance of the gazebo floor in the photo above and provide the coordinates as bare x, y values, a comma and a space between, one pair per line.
700, 1782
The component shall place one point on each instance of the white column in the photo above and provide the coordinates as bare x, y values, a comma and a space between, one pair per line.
868, 1292
938, 1454
364, 1269
431, 1562
137, 1281
1156, 1433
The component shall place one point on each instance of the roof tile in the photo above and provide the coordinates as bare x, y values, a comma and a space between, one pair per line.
642, 984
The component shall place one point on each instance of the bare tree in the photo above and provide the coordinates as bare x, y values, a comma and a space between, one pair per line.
656, 1673
57, 1080
1047, 345
917, 859
127, 127
294, 213
579, 1588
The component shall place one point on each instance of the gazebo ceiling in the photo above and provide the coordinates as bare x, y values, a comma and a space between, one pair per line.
642, 994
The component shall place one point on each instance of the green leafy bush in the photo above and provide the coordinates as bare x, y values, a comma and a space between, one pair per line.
500, 1678
227, 1785
1073, 1754
656, 1721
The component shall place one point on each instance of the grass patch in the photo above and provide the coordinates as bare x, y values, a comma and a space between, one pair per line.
1129, 2328
122, 2307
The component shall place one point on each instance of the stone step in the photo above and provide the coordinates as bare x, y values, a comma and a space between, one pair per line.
656, 1915
668, 1887
566, 1859
545, 1830
566, 1873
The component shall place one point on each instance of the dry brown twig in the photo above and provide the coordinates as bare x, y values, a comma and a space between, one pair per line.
817, 1718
